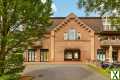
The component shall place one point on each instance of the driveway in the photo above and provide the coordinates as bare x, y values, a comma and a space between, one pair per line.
62, 72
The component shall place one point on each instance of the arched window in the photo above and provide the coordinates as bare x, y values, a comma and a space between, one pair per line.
72, 34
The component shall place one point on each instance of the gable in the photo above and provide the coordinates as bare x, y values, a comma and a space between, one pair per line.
72, 23
95, 23
73, 18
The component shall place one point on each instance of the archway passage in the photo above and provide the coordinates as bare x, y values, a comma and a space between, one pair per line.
71, 54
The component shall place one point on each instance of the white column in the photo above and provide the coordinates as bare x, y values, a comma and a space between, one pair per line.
119, 54
110, 53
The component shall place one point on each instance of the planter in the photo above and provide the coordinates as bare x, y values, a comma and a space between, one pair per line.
26, 78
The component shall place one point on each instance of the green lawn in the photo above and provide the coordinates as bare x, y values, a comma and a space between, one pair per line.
104, 72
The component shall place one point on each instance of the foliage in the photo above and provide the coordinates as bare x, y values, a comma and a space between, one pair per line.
10, 77
13, 67
103, 8
21, 23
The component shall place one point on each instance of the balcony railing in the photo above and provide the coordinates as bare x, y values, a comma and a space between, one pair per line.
111, 28
110, 42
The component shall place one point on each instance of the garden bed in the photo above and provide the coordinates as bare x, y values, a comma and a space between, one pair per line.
26, 78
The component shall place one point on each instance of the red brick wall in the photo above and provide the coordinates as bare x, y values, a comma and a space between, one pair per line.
83, 44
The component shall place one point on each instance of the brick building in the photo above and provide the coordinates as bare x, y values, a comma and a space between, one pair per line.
75, 38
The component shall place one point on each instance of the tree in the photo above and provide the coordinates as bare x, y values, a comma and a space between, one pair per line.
102, 7
21, 23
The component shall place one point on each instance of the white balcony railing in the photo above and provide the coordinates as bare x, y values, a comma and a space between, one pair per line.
110, 28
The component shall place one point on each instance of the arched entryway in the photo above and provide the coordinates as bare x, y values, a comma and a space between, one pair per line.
72, 54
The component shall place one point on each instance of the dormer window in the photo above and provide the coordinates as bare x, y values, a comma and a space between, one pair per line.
72, 34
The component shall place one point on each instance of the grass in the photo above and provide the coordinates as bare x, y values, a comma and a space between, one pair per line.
104, 72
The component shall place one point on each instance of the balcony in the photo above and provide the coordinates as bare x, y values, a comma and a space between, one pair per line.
111, 28
110, 42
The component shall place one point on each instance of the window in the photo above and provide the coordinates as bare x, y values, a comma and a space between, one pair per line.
108, 26
105, 38
113, 37
43, 55
115, 55
101, 55
78, 36
65, 36
31, 55
71, 54
68, 55
114, 28
71, 35
118, 37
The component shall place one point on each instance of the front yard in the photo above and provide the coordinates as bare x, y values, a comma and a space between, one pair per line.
61, 72
105, 72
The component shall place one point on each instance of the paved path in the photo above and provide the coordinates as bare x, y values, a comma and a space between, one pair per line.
62, 72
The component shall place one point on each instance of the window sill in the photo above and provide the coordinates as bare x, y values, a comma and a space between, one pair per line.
76, 40
71, 40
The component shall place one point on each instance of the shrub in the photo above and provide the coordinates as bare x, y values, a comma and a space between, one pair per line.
13, 67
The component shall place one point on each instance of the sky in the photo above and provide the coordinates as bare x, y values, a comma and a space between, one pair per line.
62, 8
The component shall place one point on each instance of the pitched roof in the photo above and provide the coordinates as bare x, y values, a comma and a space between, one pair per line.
95, 23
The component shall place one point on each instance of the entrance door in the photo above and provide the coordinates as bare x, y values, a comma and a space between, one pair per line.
43, 55
115, 56
71, 54
76, 55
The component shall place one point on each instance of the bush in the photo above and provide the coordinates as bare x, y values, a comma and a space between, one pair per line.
10, 77
13, 66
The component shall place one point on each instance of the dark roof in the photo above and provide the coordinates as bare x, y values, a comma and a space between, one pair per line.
93, 22
78, 17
